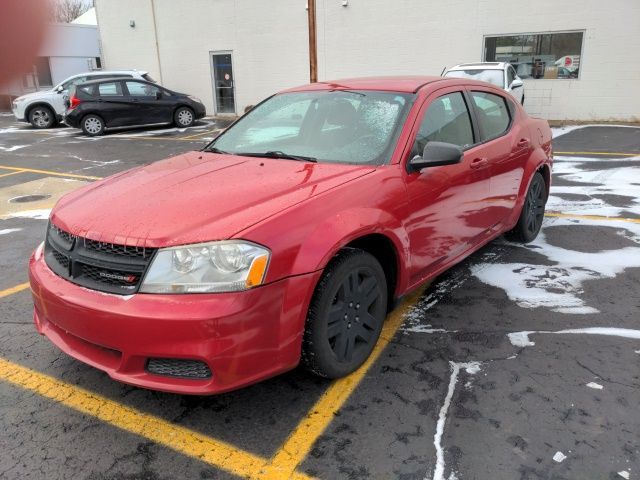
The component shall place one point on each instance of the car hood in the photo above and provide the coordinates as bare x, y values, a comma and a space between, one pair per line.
194, 197
41, 95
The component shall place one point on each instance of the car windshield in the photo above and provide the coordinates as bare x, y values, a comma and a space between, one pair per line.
325, 126
496, 77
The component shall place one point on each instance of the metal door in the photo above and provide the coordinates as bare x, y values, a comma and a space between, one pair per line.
223, 82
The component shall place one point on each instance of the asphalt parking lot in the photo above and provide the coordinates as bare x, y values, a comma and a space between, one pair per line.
522, 362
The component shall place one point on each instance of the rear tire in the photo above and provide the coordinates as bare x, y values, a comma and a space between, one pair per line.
42, 117
530, 221
346, 315
92, 125
184, 117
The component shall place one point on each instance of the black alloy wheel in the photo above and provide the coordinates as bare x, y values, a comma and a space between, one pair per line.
346, 314
532, 215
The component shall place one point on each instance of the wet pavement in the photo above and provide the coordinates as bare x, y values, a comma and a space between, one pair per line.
522, 362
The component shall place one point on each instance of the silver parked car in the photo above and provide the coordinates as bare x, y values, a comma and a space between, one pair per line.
500, 74
44, 109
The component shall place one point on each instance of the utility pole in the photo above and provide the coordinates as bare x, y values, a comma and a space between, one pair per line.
313, 49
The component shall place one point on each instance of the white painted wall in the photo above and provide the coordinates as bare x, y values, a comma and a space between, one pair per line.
374, 37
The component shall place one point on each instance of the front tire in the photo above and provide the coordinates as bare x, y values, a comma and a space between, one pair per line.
184, 117
42, 117
530, 221
346, 315
92, 125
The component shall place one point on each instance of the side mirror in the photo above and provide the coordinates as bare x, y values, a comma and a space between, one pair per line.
517, 83
436, 154
158, 95
59, 89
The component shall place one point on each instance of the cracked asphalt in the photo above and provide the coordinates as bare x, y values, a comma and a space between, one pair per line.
513, 403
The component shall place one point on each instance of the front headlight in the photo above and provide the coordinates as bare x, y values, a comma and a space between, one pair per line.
226, 266
195, 99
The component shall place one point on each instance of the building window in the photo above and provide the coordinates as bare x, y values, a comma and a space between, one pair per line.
538, 55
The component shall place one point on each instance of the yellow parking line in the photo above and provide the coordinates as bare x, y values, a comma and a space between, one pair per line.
188, 442
11, 173
301, 440
12, 290
49, 172
150, 137
615, 154
592, 217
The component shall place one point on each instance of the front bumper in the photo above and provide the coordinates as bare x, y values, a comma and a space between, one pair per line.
243, 337
18, 112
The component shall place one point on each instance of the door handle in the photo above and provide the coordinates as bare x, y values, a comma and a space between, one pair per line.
479, 162
523, 143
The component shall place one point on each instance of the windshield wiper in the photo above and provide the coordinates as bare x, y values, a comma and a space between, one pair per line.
217, 150
279, 154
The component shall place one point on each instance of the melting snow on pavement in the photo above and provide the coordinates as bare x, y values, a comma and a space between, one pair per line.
559, 457
471, 368
559, 286
595, 386
521, 339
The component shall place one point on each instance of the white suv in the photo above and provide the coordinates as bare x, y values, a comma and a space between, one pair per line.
44, 109
501, 74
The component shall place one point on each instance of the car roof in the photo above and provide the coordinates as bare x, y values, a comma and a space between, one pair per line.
400, 84
117, 72
116, 78
479, 66
403, 84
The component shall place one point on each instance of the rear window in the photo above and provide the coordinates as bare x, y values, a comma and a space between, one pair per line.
148, 78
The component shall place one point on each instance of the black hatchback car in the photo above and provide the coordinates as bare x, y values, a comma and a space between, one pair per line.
120, 102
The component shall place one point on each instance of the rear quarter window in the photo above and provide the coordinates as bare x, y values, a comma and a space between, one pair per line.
494, 115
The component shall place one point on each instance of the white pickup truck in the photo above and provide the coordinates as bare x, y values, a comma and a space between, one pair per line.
45, 108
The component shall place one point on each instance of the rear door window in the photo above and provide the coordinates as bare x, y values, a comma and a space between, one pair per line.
447, 120
493, 114
139, 89
110, 89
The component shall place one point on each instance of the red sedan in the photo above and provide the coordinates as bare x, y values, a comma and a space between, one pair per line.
289, 237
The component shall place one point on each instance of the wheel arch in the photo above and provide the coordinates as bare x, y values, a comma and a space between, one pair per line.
383, 249
360, 228
40, 103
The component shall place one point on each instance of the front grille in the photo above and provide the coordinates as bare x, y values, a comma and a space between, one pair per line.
102, 266
176, 367
117, 250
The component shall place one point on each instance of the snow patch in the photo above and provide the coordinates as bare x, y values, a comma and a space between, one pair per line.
595, 386
559, 286
471, 368
521, 339
13, 148
41, 214
559, 457
624, 474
